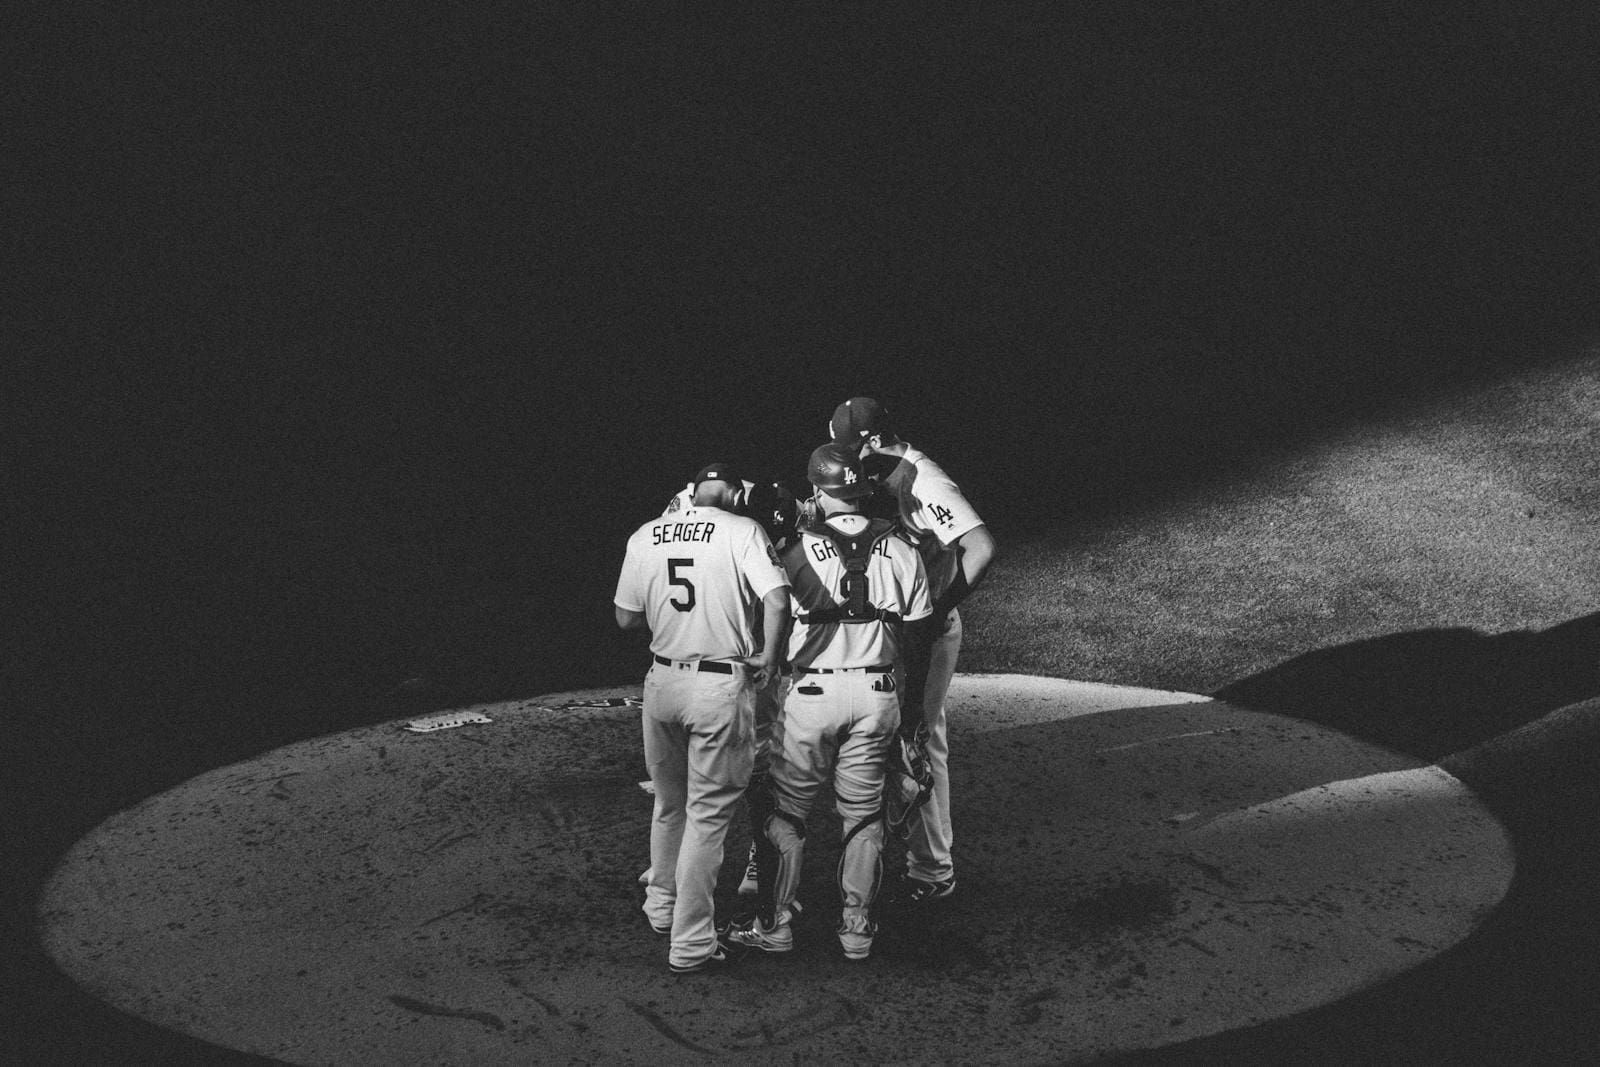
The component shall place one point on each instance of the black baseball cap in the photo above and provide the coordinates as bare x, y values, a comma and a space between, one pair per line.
858, 419
719, 472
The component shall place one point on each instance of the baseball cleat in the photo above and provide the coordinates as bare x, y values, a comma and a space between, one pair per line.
720, 959
916, 891
855, 936
748, 887
753, 933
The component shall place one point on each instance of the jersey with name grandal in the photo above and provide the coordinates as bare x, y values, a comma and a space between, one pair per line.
933, 512
896, 582
699, 576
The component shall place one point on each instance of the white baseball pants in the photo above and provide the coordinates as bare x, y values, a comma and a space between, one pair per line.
930, 837
699, 746
840, 724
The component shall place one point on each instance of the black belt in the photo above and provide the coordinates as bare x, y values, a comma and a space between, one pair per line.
700, 664
884, 669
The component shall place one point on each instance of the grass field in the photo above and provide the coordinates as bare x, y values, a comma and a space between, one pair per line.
1388, 553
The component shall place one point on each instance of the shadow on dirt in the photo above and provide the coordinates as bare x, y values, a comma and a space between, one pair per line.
1517, 717
1540, 775
1432, 692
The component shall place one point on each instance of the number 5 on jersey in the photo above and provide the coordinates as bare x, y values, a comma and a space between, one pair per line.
674, 578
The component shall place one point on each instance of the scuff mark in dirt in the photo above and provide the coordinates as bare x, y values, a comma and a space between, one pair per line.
549, 1008
424, 1008
471, 905
447, 840
1170, 737
1192, 943
248, 785
1030, 1009
666, 1030
1210, 870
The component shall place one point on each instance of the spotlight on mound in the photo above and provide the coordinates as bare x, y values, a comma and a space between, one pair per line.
1136, 868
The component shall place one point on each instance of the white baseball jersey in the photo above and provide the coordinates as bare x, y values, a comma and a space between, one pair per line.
933, 512
896, 581
699, 576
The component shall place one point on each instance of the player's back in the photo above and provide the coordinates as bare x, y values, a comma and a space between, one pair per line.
933, 511
692, 571
896, 583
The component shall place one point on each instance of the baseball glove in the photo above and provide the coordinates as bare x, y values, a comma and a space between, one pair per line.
908, 781
776, 509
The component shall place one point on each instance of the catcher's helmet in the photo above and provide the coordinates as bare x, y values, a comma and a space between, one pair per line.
836, 470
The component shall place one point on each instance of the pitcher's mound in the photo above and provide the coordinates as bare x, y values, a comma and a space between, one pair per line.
1134, 868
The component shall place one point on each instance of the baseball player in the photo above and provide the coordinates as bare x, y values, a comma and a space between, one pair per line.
856, 585
775, 508
694, 579
957, 549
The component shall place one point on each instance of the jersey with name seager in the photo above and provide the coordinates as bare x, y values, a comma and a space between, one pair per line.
699, 576
933, 512
896, 583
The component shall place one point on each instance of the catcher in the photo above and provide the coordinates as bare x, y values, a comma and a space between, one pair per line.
859, 600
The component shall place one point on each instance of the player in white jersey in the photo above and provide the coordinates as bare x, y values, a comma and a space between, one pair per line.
856, 586
957, 549
775, 508
696, 579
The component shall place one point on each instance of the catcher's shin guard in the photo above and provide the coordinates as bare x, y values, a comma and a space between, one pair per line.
861, 862
780, 842
778, 863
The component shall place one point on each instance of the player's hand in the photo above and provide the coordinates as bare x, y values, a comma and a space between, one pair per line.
914, 730
764, 672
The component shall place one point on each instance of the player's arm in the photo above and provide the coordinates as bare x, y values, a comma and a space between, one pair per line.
917, 635
759, 563
629, 590
975, 550
775, 628
916, 646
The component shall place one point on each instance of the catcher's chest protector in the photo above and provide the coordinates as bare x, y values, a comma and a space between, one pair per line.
855, 551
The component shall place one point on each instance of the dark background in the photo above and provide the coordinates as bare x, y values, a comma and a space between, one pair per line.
345, 343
